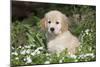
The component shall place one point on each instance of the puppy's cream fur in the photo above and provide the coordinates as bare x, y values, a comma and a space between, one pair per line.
61, 38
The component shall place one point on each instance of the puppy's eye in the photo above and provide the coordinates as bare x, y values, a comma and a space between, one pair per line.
49, 22
57, 22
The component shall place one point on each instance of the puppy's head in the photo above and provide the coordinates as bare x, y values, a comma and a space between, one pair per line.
54, 22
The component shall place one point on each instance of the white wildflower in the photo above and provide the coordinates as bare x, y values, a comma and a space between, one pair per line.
23, 52
33, 53
47, 54
47, 62
24, 59
38, 52
60, 61
73, 56
28, 51
81, 37
12, 47
39, 48
85, 55
32, 45
29, 59
16, 58
27, 46
90, 54
87, 31
20, 47
15, 53
76, 60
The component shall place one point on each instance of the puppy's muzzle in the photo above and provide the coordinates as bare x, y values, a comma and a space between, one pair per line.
52, 29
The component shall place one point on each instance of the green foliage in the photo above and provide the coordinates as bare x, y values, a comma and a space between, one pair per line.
28, 43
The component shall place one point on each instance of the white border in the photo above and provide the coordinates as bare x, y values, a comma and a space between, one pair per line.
81, 2
85, 64
5, 37
4, 33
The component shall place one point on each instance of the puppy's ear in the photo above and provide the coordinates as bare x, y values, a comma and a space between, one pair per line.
43, 24
65, 23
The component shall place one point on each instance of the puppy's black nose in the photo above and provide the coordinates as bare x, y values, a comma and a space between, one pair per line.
52, 29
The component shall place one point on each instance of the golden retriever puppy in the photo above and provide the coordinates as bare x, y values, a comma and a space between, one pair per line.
55, 24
